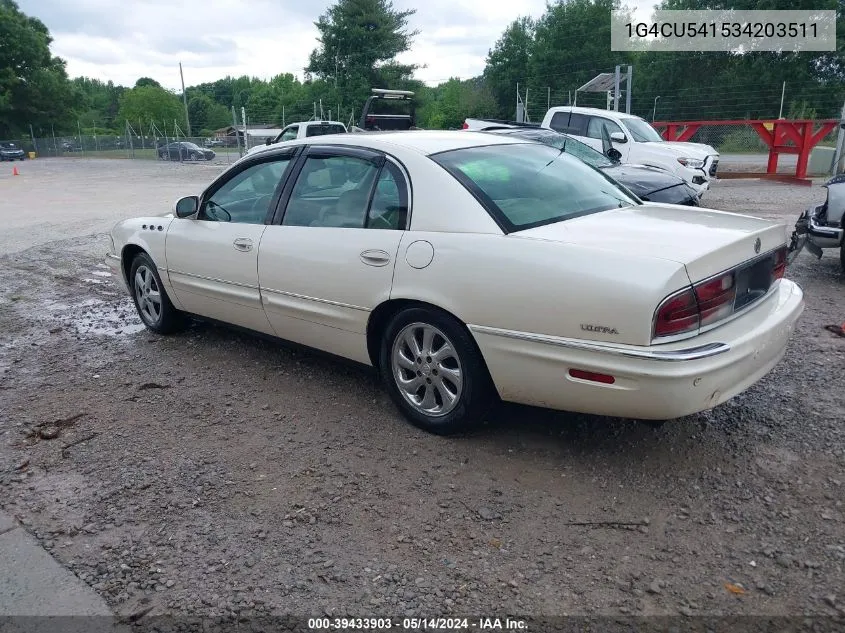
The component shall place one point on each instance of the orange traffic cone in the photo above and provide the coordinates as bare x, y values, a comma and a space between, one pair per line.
15, 171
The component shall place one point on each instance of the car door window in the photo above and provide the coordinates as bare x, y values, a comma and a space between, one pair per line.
597, 123
245, 198
569, 123
290, 133
389, 208
332, 191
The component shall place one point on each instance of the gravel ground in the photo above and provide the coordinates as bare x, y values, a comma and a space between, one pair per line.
214, 473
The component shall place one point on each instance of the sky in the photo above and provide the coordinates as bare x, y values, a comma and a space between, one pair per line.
127, 39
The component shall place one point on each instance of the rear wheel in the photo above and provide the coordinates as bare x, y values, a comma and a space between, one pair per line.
842, 255
434, 372
151, 300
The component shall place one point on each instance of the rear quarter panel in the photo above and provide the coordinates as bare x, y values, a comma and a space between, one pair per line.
537, 286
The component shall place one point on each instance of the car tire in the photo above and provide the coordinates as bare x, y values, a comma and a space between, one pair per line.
194, 156
151, 301
842, 255
459, 373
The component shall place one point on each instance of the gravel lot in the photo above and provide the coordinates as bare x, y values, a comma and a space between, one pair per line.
213, 473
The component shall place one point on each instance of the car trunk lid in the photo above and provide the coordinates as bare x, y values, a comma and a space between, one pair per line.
705, 241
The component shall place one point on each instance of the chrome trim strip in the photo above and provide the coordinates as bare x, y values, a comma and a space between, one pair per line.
214, 279
326, 301
690, 353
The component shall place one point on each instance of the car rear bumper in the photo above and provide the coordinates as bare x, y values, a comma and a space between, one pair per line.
657, 382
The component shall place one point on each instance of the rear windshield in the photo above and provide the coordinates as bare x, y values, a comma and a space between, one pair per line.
323, 129
528, 185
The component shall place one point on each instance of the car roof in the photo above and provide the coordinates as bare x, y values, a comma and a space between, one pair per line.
425, 142
597, 111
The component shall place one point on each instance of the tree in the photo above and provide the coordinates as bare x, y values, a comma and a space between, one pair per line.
359, 42
455, 100
207, 115
509, 63
151, 104
146, 81
34, 89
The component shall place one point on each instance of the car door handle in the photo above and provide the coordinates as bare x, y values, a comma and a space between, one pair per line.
243, 244
375, 257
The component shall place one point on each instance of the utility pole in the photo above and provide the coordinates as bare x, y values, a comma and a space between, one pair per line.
243, 120
32, 134
836, 165
185, 100
628, 89
548, 98
235, 124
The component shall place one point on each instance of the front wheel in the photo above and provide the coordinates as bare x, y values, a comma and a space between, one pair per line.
434, 372
151, 300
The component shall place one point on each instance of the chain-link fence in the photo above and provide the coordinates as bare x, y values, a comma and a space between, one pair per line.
165, 148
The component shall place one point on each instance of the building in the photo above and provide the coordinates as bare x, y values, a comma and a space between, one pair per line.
257, 133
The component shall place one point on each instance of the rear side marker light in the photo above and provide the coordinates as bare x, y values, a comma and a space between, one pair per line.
592, 376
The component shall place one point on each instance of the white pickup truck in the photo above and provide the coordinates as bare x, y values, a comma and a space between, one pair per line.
637, 141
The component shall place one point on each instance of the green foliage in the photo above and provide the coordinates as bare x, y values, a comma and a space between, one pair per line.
34, 89
150, 104
359, 41
452, 102
147, 81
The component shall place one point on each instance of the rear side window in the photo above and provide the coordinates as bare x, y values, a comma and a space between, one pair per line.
528, 185
569, 123
323, 129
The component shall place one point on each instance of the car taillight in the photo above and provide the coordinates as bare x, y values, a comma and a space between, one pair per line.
715, 298
677, 314
779, 268
465, 126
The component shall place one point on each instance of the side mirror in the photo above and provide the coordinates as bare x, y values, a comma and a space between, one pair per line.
268, 141
186, 207
618, 137
614, 154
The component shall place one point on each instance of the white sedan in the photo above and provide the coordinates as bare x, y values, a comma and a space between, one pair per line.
465, 267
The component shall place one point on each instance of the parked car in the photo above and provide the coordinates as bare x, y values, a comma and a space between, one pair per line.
822, 226
638, 142
652, 184
508, 270
9, 151
184, 150
68, 146
303, 129
306, 129
213, 142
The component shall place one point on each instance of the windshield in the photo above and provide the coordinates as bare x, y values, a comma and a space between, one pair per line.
575, 147
191, 145
527, 184
642, 131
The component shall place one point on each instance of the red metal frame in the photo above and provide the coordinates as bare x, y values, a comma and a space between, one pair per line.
801, 132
